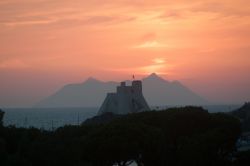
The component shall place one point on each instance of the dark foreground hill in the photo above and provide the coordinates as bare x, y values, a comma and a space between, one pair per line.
243, 113
176, 137
92, 92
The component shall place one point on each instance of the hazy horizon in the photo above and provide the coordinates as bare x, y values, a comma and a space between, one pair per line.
112, 86
45, 45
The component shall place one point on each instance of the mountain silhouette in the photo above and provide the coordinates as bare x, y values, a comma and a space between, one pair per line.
160, 92
92, 92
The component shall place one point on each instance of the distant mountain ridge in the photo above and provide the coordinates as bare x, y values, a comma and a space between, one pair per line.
92, 92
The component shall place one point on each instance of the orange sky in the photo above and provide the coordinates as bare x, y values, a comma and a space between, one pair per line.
45, 44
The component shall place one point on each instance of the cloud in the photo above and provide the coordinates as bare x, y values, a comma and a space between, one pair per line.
208, 50
149, 36
223, 9
154, 68
12, 64
171, 15
151, 44
58, 12
20, 23
156, 65
150, 41
159, 60
107, 19
67, 21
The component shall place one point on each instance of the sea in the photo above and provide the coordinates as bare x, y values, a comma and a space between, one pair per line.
52, 118
46, 118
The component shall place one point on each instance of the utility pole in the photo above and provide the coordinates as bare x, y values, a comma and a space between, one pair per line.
78, 119
25, 122
52, 125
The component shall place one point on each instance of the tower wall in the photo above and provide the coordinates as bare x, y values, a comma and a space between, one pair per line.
110, 104
127, 99
137, 86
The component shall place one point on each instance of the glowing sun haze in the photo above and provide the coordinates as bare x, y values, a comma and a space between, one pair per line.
45, 44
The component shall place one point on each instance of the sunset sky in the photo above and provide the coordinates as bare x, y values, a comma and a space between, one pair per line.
45, 44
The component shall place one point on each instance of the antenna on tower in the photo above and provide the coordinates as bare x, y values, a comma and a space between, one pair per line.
133, 77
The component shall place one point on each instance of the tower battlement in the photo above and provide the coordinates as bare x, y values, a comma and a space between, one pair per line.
136, 87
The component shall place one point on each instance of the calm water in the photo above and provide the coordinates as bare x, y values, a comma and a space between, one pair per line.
46, 118
51, 118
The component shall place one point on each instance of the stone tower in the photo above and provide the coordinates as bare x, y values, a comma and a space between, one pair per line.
127, 99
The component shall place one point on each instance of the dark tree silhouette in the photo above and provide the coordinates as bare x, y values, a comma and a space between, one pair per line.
176, 136
1, 117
